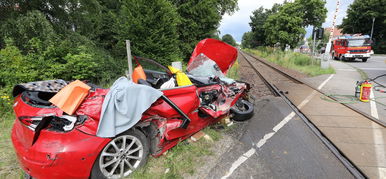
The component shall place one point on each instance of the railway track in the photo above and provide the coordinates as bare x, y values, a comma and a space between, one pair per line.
284, 77
274, 77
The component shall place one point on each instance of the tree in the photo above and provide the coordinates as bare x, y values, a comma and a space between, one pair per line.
199, 20
152, 28
283, 29
287, 25
313, 12
247, 40
227, 38
258, 19
65, 15
359, 19
23, 28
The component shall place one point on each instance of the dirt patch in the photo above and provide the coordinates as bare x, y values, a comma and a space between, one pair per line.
208, 162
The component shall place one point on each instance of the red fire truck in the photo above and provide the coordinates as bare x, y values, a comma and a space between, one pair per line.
350, 47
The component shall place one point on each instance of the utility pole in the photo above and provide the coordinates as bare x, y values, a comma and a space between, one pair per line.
129, 61
372, 28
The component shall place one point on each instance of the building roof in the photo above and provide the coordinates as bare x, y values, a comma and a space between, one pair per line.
337, 31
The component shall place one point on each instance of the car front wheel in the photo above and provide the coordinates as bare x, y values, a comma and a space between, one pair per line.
242, 110
121, 156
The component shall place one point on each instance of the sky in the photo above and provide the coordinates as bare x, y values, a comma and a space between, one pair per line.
237, 23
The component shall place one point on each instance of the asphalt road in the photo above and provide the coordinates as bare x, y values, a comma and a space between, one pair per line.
291, 151
375, 66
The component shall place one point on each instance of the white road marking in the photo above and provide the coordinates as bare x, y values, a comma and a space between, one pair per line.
244, 157
377, 138
325, 82
373, 105
377, 69
345, 69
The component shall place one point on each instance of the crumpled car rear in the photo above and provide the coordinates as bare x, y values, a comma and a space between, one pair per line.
52, 151
59, 155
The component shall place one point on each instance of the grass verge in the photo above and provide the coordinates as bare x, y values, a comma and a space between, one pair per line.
292, 60
9, 167
180, 160
234, 71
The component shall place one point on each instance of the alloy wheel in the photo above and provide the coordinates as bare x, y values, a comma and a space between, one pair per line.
121, 156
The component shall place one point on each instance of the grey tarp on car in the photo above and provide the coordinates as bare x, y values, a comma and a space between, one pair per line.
123, 106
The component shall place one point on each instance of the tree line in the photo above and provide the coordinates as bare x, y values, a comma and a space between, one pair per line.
85, 39
284, 24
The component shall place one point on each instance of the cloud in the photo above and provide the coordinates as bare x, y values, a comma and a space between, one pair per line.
331, 6
238, 23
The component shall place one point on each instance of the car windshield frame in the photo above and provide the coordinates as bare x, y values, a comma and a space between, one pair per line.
155, 66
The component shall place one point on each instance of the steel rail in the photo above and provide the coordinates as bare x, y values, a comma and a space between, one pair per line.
382, 123
354, 170
274, 92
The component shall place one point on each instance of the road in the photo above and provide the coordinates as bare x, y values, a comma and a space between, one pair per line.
275, 143
345, 79
375, 66
292, 152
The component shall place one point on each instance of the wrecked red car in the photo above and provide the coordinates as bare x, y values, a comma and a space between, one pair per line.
51, 142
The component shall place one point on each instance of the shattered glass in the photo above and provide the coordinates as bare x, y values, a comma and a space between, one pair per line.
202, 66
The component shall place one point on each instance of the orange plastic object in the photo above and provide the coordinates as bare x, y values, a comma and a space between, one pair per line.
138, 73
71, 96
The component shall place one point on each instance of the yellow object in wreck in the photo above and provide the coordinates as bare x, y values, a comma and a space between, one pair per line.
181, 77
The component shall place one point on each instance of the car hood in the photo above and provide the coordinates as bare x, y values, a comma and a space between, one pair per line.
223, 54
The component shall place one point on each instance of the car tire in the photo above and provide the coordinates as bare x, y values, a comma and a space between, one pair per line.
364, 59
242, 110
135, 153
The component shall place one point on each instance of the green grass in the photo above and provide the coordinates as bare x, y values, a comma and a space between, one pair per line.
9, 167
234, 71
181, 159
292, 60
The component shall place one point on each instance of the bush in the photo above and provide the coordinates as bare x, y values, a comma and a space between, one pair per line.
15, 68
31, 25
152, 28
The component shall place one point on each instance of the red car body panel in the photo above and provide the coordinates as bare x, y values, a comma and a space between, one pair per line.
184, 97
220, 52
57, 155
